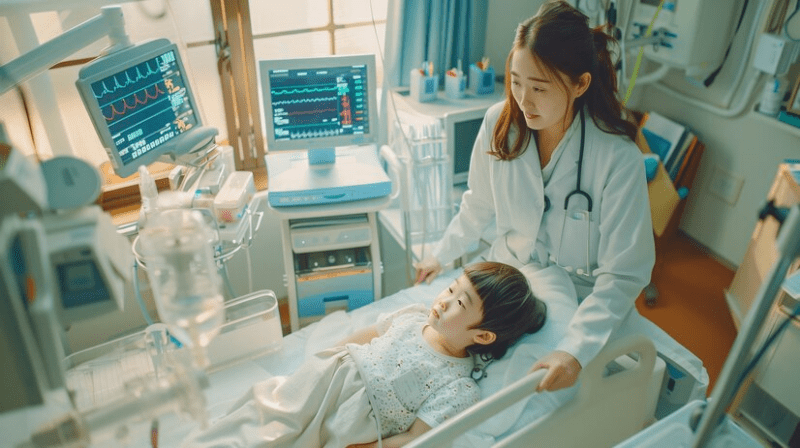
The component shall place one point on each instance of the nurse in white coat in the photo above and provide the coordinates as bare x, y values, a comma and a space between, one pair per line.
525, 166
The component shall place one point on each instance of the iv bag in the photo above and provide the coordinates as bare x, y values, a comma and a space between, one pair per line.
178, 255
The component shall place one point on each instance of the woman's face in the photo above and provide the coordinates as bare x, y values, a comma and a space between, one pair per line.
542, 99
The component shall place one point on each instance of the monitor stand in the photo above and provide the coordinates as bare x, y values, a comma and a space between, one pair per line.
314, 177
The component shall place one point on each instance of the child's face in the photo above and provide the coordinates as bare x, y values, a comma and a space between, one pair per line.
455, 312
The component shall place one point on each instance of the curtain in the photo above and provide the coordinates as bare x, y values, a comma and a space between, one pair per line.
443, 32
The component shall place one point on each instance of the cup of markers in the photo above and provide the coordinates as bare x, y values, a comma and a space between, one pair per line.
481, 78
424, 83
455, 83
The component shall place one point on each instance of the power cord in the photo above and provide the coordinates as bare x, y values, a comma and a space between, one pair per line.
767, 344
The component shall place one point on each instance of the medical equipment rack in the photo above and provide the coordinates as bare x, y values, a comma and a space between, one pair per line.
325, 231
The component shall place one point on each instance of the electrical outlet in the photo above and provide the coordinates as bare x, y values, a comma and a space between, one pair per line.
725, 185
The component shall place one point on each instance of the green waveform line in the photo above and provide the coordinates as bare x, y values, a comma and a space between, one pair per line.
311, 90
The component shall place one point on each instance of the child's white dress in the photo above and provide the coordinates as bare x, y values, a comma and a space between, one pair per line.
332, 399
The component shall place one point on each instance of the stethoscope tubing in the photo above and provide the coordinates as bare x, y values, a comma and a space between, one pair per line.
577, 189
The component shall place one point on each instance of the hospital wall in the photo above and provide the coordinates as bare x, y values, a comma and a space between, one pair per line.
747, 149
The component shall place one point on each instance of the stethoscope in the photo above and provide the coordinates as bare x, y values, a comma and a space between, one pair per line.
586, 215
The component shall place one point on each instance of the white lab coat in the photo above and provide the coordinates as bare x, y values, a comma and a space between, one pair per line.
621, 251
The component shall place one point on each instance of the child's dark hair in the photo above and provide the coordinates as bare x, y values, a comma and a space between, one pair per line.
510, 309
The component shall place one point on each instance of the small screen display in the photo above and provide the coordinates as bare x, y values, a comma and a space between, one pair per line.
145, 105
319, 103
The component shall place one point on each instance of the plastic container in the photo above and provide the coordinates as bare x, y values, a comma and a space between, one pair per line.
233, 197
423, 88
177, 250
114, 370
481, 82
772, 96
252, 328
109, 372
455, 86
427, 188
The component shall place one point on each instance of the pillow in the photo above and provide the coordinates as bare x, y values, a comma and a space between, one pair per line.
553, 286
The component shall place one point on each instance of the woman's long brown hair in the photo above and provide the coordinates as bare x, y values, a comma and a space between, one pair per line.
561, 41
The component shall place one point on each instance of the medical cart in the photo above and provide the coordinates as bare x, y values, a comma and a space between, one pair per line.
332, 257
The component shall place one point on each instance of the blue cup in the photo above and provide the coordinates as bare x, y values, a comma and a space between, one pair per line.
423, 88
481, 82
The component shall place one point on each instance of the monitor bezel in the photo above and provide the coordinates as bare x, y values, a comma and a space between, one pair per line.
317, 62
116, 62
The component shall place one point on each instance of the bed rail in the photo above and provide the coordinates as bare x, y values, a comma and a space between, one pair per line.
605, 410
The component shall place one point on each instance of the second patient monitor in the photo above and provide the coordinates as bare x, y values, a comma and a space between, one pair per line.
325, 106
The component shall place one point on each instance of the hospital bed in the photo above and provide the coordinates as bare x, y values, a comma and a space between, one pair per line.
616, 395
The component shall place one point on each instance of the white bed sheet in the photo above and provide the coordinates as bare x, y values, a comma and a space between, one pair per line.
550, 285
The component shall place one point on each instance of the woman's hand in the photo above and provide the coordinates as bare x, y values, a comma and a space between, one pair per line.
562, 371
427, 270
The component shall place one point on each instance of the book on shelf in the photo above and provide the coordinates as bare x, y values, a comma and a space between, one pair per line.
669, 140
675, 164
662, 134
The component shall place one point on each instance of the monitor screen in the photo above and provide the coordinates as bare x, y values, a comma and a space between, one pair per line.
140, 103
321, 102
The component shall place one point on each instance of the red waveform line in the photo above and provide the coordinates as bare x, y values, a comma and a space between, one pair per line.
136, 102
315, 111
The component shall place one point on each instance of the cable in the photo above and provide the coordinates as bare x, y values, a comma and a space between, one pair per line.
406, 140
137, 292
777, 16
772, 338
710, 79
641, 53
249, 260
792, 18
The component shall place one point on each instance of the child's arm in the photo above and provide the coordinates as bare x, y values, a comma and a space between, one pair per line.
361, 336
417, 429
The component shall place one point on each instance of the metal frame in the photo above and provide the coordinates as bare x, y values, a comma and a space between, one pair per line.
233, 40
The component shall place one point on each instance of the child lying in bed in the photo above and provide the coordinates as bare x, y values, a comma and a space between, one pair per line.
393, 380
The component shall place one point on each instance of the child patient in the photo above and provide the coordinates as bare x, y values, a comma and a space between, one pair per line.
394, 380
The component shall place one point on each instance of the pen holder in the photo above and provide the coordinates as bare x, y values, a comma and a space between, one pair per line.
455, 86
481, 82
423, 88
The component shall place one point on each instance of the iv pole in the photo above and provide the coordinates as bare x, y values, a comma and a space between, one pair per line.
788, 246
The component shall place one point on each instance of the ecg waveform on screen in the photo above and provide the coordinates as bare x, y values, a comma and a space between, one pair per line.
145, 105
136, 102
298, 91
311, 111
309, 104
303, 100
127, 79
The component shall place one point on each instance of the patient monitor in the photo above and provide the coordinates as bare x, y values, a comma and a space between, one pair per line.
327, 106
142, 106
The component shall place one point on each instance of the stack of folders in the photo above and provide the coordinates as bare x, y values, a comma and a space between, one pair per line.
671, 141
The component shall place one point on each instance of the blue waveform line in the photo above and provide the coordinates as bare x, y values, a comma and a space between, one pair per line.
128, 81
310, 90
304, 100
